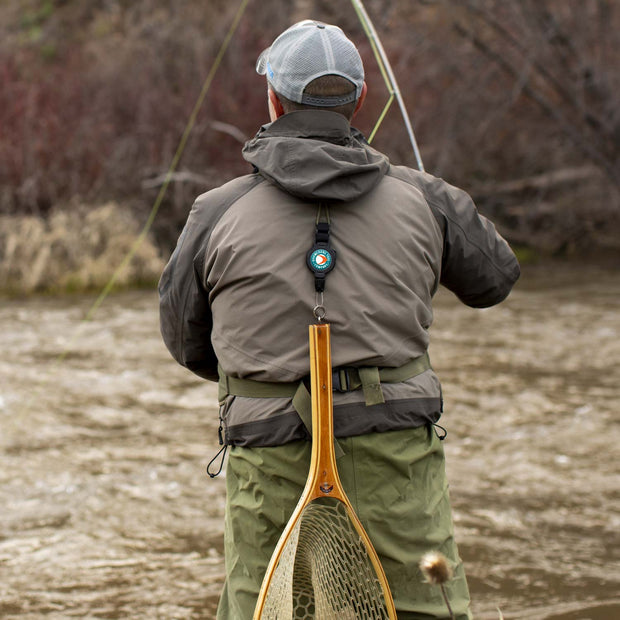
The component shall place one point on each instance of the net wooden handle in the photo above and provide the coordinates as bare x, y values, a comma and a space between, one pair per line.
323, 468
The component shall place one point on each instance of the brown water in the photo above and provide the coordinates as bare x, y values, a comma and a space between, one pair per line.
106, 510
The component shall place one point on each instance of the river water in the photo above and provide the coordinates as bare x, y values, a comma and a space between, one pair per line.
106, 510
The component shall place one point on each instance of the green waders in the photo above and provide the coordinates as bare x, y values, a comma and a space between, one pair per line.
396, 482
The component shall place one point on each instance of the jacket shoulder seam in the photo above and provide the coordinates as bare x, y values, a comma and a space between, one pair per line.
254, 180
434, 205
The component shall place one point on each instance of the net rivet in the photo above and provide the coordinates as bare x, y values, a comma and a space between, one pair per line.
326, 488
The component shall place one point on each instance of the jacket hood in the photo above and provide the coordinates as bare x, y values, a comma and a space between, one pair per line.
316, 155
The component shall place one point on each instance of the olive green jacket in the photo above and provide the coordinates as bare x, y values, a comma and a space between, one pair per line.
237, 290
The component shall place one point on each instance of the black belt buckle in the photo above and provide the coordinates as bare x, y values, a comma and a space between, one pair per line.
337, 383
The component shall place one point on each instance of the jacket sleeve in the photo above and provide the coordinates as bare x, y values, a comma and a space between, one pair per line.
477, 263
184, 310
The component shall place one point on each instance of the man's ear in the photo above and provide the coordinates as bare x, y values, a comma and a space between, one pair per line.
360, 101
275, 106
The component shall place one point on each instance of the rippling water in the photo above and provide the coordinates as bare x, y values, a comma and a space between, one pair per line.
107, 511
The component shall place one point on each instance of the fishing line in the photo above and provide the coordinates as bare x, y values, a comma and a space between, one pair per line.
388, 77
363, 17
173, 165
156, 205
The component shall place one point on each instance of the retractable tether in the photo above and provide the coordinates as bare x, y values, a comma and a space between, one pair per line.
321, 259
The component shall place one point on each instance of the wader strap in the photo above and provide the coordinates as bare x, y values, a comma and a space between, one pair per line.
407, 371
371, 385
253, 389
297, 391
369, 378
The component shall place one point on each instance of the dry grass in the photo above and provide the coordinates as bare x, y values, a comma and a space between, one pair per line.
76, 248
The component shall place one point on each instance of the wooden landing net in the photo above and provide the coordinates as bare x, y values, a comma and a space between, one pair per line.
324, 566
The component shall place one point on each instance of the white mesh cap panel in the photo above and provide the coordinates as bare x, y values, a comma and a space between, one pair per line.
306, 51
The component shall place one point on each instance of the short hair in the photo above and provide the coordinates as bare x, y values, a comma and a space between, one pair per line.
324, 86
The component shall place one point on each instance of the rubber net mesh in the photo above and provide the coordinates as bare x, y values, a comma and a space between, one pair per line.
325, 571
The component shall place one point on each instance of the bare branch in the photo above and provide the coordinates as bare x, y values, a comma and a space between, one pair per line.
177, 177
229, 129
550, 108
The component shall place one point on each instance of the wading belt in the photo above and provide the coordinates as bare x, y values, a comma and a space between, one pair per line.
343, 380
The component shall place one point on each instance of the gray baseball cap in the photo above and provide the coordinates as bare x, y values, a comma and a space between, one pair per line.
306, 51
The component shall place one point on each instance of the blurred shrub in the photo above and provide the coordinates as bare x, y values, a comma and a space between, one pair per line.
108, 110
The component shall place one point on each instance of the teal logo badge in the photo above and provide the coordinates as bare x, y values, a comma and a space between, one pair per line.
321, 260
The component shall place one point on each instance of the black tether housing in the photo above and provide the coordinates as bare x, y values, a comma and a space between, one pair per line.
321, 257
